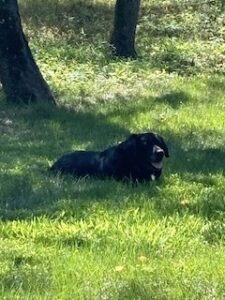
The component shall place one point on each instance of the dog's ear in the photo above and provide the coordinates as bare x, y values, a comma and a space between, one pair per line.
161, 143
128, 144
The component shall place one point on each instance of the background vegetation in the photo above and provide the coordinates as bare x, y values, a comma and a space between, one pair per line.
65, 238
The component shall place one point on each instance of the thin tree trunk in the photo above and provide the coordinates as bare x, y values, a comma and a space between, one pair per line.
125, 22
20, 76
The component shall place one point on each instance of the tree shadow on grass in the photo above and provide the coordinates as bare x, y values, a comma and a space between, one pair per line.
196, 176
146, 288
216, 83
175, 12
78, 23
65, 197
48, 132
196, 152
35, 192
174, 98
33, 137
71, 17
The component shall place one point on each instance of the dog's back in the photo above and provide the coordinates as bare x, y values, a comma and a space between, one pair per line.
79, 163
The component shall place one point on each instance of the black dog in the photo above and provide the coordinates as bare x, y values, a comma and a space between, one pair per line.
139, 158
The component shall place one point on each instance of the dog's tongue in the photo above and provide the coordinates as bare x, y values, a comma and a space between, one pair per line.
157, 165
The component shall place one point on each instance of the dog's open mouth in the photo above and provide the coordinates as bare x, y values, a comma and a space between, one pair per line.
157, 165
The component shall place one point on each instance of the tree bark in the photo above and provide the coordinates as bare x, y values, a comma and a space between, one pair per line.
20, 76
125, 22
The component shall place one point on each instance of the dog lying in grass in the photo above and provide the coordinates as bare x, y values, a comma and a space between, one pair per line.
139, 157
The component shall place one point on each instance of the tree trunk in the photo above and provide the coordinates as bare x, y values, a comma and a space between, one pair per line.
125, 22
20, 76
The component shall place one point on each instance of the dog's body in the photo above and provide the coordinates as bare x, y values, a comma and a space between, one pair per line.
139, 158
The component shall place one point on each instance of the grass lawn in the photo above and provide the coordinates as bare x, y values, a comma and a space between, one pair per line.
66, 238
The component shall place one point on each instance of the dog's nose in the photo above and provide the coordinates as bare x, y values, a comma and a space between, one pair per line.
160, 154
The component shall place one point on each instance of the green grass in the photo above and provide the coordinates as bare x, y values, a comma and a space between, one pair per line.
65, 238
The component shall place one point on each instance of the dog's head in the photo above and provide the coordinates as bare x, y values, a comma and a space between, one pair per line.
148, 148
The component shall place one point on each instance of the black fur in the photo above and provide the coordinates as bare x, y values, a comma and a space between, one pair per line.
139, 158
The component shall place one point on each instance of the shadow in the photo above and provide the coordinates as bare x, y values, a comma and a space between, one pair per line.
78, 19
174, 98
70, 28
90, 18
205, 161
196, 173
63, 129
172, 60
169, 19
32, 138
216, 83
67, 197
191, 155
146, 288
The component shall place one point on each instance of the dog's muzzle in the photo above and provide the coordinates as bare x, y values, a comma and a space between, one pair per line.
157, 165
158, 154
